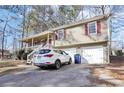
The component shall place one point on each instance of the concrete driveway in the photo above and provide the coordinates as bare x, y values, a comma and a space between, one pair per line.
74, 75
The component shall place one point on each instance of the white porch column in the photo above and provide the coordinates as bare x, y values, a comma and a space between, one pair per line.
32, 42
26, 46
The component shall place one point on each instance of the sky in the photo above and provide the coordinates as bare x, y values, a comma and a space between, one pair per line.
13, 23
118, 30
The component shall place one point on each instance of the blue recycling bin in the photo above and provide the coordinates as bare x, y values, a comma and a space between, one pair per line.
77, 59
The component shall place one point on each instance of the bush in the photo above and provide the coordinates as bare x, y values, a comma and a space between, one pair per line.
22, 54
119, 53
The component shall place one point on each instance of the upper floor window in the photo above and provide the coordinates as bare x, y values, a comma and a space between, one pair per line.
60, 35
92, 27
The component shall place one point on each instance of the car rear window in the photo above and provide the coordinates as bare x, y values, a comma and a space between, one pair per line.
44, 51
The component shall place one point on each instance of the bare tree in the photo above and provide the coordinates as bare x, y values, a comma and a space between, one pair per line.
97, 10
3, 36
23, 28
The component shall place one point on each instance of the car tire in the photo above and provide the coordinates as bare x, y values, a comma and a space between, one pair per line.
70, 61
57, 64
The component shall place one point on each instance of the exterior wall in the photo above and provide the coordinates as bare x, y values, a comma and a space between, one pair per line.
79, 51
106, 55
77, 35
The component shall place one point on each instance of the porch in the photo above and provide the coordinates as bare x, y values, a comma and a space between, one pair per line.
38, 40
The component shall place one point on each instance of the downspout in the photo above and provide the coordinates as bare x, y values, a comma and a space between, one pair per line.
109, 25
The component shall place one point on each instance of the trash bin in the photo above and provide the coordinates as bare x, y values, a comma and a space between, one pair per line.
77, 58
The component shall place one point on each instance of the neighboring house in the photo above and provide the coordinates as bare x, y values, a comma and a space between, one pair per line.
6, 54
89, 38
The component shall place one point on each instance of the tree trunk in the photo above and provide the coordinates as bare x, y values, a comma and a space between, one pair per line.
23, 25
3, 38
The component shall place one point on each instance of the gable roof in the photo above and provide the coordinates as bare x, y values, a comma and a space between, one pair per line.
81, 22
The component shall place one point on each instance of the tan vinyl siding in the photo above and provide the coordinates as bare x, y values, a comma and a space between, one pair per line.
77, 35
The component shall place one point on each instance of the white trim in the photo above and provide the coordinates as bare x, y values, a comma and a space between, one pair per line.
95, 26
88, 47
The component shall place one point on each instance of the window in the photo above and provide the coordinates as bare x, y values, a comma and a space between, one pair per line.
60, 35
92, 27
44, 51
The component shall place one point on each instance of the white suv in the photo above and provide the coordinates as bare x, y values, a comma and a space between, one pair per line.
51, 57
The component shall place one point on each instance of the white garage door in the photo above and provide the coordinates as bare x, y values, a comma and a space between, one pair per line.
92, 55
71, 52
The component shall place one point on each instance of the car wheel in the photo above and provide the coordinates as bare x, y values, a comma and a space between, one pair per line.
70, 61
57, 64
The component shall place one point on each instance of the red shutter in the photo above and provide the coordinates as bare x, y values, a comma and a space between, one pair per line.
86, 29
98, 27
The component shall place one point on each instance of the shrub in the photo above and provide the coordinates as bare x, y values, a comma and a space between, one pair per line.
22, 54
119, 53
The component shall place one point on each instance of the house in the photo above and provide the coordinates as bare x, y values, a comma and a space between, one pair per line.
6, 54
89, 38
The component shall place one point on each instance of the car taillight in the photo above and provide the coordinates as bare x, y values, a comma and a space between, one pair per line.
48, 55
48, 62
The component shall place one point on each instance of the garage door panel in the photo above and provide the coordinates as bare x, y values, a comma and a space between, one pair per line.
93, 55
